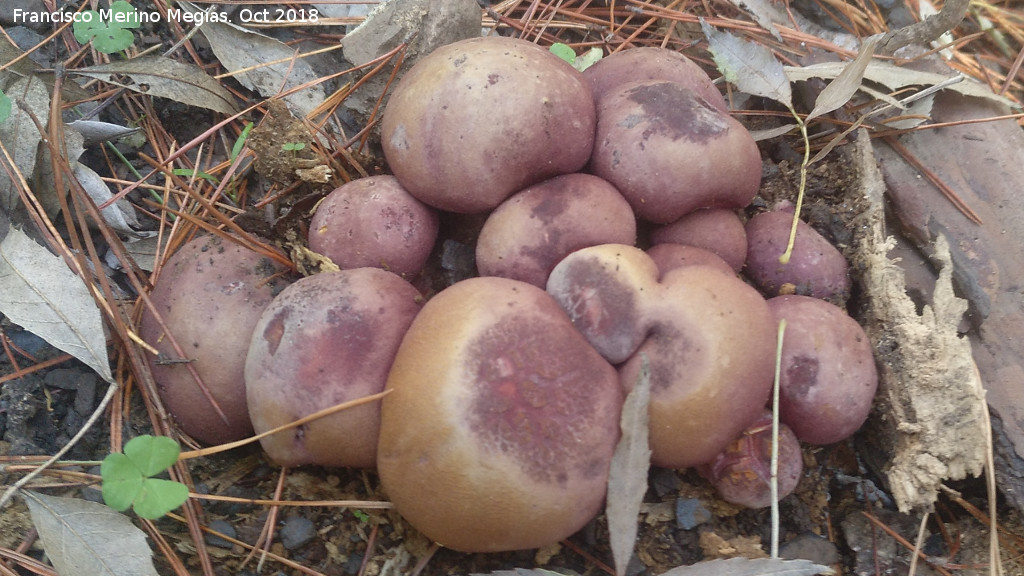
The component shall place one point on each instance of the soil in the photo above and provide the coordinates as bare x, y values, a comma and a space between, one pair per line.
841, 513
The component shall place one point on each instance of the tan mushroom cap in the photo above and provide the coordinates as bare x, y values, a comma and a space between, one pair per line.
501, 422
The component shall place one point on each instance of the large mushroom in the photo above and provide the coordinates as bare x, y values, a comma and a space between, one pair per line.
501, 420
479, 119
708, 337
669, 152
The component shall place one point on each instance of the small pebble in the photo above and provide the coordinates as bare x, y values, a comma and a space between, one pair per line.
225, 528
810, 547
27, 341
664, 481
690, 513
353, 564
297, 530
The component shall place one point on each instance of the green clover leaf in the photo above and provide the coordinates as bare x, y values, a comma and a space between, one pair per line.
122, 481
128, 482
581, 62
111, 36
564, 52
158, 497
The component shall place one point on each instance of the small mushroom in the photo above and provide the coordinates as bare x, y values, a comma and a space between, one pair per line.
742, 472
828, 375
374, 222
717, 230
530, 232
815, 268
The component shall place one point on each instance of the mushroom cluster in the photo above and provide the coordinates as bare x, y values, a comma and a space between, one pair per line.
504, 390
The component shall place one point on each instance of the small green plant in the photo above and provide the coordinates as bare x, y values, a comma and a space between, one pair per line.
112, 35
581, 62
240, 142
5, 107
293, 147
361, 516
128, 478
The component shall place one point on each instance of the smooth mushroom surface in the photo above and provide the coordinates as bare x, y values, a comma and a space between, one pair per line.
815, 268
708, 337
651, 63
501, 420
670, 256
326, 339
669, 152
717, 230
210, 294
478, 120
530, 232
828, 375
374, 222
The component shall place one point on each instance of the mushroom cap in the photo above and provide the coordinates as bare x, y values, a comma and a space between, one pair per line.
670, 256
210, 295
533, 229
326, 339
501, 420
717, 230
651, 63
711, 348
669, 152
708, 336
479, 119
374, 222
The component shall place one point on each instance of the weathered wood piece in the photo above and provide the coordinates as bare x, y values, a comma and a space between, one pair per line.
984, 163
929, 413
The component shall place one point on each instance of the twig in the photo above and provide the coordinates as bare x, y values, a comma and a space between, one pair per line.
923, 32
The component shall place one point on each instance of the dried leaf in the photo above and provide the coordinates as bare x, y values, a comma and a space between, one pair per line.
20, 135
769, 133
25, 68
88, 539
840, 90
94, 131
917, 113
119, 215
39, 293
764, 13
750, 567
895, 77
627, 480
750, 66
166, 78
142, 250
44, 184
238, 49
